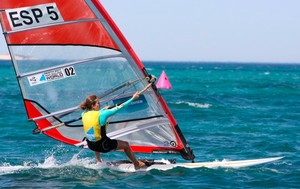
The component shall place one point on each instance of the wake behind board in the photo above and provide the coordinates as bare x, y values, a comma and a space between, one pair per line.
164, 165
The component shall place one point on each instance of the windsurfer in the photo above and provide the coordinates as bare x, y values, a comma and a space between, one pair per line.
95, 123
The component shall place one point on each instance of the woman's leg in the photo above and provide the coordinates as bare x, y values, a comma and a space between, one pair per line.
97, 154
122, 145
95, 147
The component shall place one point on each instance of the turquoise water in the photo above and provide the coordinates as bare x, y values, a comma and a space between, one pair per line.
226, 111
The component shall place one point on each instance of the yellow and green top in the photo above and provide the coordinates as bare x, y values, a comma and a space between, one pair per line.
94, 120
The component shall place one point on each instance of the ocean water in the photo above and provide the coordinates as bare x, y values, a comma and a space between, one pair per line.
226, 112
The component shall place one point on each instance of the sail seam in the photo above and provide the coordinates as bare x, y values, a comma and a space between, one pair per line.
140, 119
61, 44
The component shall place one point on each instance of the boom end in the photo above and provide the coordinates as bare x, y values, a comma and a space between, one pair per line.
36, 131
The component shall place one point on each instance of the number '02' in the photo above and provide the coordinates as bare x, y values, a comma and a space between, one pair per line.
70, 71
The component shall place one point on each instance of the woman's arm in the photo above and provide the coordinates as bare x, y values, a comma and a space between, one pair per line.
106, 113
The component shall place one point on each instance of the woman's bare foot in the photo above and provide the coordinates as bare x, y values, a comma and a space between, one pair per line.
139, 165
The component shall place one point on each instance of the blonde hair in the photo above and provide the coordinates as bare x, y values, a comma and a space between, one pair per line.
89, 102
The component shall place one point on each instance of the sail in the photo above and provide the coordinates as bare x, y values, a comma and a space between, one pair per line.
74, 49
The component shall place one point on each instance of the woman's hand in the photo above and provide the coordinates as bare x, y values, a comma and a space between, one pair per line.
136, 95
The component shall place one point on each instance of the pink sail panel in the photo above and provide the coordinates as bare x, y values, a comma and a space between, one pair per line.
163, 81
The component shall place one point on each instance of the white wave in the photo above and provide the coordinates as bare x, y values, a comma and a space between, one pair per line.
195, 105
150, 69
6, 168
50, 163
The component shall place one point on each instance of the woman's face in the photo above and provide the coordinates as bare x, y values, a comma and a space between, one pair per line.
96, 106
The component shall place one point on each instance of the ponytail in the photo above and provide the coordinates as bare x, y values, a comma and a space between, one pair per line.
89, 102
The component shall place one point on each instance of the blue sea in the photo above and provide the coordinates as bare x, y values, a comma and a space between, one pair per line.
227, 111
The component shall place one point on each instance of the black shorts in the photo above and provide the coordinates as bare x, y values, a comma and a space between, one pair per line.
104, 145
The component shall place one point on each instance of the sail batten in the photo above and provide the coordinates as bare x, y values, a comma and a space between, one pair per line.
50, 25
69, 64
71, 50
134, 128
56, 113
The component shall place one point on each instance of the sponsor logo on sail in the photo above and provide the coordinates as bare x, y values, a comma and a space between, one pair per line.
52, 75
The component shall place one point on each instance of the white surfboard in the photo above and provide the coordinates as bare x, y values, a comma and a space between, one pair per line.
166, 165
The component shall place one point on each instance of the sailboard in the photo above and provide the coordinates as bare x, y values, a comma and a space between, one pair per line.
76, 51
165, 165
